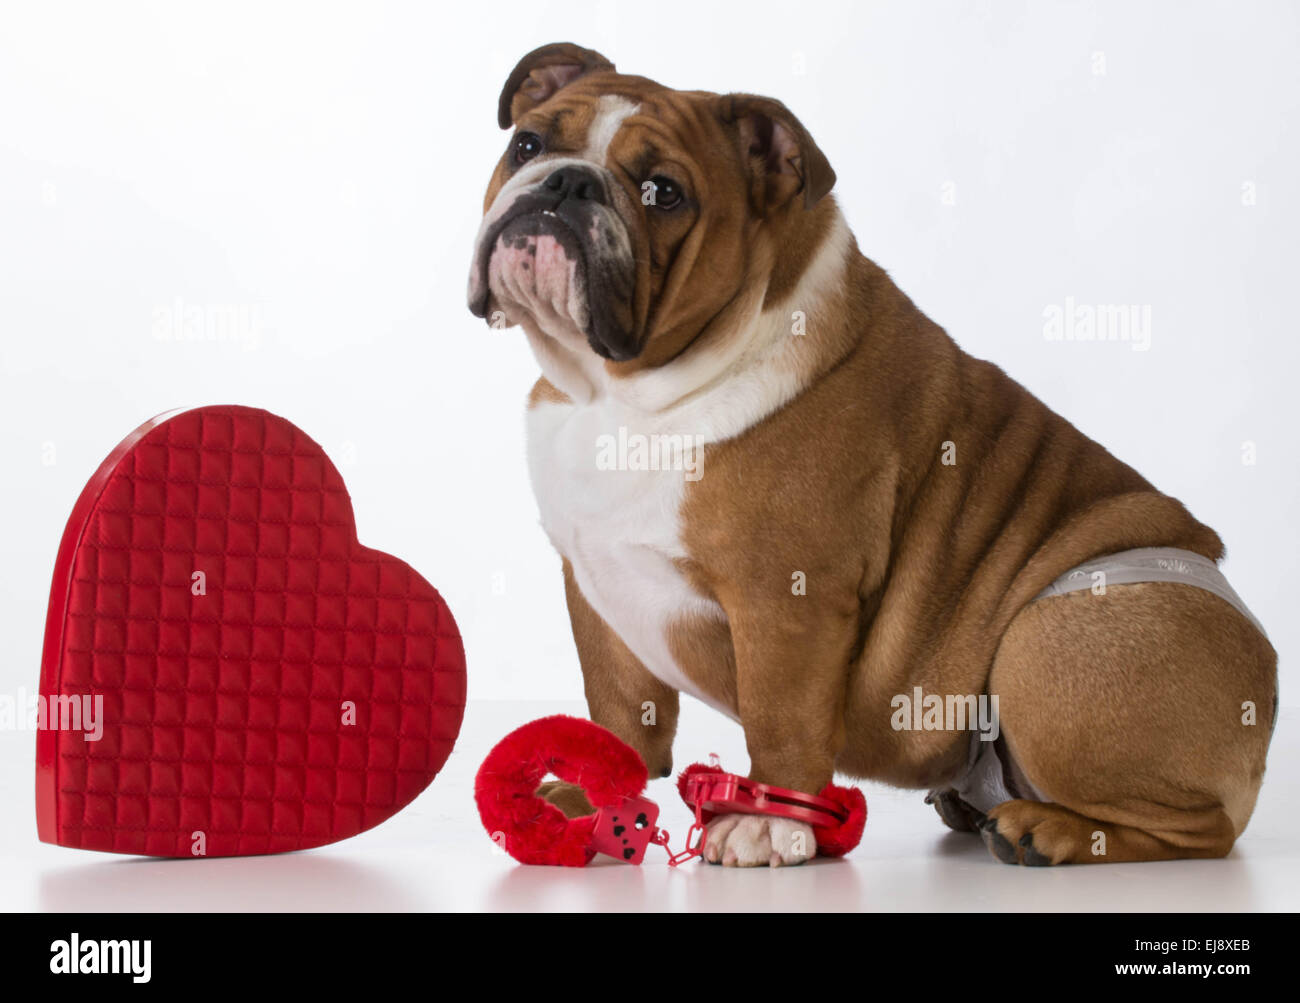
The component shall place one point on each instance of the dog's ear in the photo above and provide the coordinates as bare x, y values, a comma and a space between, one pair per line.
783, 158
543, 72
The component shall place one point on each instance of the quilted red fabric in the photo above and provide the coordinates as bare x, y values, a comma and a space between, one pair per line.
267, 683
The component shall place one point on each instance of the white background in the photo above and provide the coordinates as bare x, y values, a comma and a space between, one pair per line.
320, 167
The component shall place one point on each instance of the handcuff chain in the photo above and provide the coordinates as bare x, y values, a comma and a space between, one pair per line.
694, 840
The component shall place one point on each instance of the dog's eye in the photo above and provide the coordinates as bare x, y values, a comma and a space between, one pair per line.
527, 146
666, 193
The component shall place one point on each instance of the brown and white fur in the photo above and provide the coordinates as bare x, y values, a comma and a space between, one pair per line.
821, 404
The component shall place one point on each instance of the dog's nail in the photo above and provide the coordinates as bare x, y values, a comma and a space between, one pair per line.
775, 861
1035, 859
1027, 839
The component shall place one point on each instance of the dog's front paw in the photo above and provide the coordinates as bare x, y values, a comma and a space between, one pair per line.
758, 841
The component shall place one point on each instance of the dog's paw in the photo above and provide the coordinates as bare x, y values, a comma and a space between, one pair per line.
569, 798
1036, 835
758, 841
956, 814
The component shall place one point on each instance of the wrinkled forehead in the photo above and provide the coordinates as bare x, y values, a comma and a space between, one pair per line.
611, 116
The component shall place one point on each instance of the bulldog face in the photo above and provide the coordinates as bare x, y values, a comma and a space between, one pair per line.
624, 217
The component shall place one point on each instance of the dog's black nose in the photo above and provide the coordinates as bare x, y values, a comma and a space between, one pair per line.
576, 183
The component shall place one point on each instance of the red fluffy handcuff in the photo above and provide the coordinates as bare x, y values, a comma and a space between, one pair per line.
534, 831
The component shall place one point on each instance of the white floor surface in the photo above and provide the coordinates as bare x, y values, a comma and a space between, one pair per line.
435, 856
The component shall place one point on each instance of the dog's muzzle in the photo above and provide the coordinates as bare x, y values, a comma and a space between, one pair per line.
571, 206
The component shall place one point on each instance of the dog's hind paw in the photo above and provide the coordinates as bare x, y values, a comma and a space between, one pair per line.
1029, 833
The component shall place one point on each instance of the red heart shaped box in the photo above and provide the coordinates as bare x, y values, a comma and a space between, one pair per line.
226, 708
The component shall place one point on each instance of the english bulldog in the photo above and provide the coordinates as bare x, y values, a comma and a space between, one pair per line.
777, 486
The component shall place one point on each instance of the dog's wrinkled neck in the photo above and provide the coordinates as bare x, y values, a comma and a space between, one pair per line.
756, 337
750, 339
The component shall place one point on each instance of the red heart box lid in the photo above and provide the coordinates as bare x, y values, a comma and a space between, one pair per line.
253, 680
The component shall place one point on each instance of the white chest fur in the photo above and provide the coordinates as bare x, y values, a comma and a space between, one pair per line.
618, 523
620, 529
